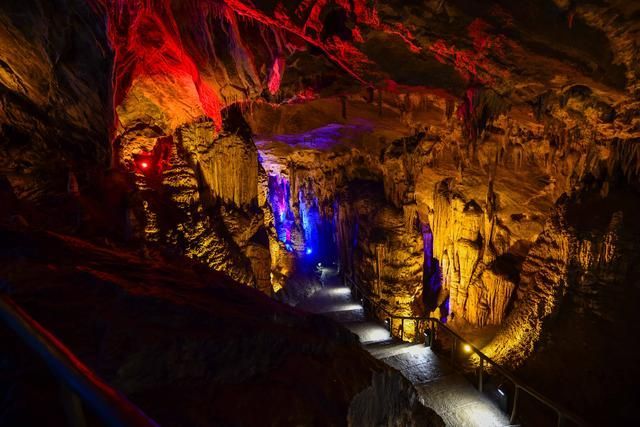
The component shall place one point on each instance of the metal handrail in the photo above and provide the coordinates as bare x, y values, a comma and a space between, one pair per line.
112, 407
563, 414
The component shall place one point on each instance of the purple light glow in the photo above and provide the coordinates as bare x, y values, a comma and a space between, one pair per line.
279, 191
444, 311
432, 274
325, 137
310, 216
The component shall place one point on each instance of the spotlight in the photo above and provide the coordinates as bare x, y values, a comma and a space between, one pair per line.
309, 251
466, 348
500, 398
144, 165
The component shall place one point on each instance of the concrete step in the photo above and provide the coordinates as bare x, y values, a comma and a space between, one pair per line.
369, 332
389, 348
437, 383
347, 316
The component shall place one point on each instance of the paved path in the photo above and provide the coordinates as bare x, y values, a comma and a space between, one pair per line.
440, 387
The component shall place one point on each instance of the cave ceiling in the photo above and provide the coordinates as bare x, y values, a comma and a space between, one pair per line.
532, 54
175, 61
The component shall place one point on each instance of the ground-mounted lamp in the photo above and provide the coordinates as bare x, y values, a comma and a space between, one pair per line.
501, 398
428, 337
498, 393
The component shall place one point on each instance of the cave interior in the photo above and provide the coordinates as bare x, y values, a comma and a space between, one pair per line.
310, 213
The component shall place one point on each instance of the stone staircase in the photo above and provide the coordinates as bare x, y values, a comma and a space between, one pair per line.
440, 387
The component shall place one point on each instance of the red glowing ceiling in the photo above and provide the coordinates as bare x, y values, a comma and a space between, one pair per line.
160, 38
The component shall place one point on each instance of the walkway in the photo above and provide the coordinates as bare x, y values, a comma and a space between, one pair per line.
440, 387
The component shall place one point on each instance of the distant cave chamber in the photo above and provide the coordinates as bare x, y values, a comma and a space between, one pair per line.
302, 225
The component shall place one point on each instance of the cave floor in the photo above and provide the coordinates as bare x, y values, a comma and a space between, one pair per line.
440, 387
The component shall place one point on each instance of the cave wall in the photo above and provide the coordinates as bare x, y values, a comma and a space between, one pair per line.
576, 296
185, 344
54, 95
481, 203
195, 163
387, 254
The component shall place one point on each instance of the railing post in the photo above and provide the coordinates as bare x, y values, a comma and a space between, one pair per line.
433, 324
72, 407
560, 419
432, 328
402, 330
453, 350
514, 409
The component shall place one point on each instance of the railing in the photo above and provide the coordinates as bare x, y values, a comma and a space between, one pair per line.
77, 380
562, 413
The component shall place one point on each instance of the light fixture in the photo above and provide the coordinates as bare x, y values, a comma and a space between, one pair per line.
427, 337
501, 392
466, 348
144, 165
341, 291
309, 251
